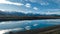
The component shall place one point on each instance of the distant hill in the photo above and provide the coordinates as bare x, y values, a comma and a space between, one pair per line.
15, 13
7, 16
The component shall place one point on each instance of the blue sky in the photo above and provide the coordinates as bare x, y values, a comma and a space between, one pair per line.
31, 6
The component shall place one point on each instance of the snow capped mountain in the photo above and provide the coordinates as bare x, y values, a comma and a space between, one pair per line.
15, 13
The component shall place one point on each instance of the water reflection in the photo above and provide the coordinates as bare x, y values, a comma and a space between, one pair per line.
27, 24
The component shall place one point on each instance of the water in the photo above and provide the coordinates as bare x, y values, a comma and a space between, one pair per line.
26, 25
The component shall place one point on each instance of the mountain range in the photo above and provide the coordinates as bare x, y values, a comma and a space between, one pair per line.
15, 13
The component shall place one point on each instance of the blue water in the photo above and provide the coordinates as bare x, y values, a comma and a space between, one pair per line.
28, 24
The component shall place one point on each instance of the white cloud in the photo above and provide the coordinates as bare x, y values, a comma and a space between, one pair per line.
2, 9
26, 0
49, 13
28, 5
8, 2
56, 1
33, 0
40, 2
35, 8
43, 3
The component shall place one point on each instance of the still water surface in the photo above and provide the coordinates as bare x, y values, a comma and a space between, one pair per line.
7, 26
